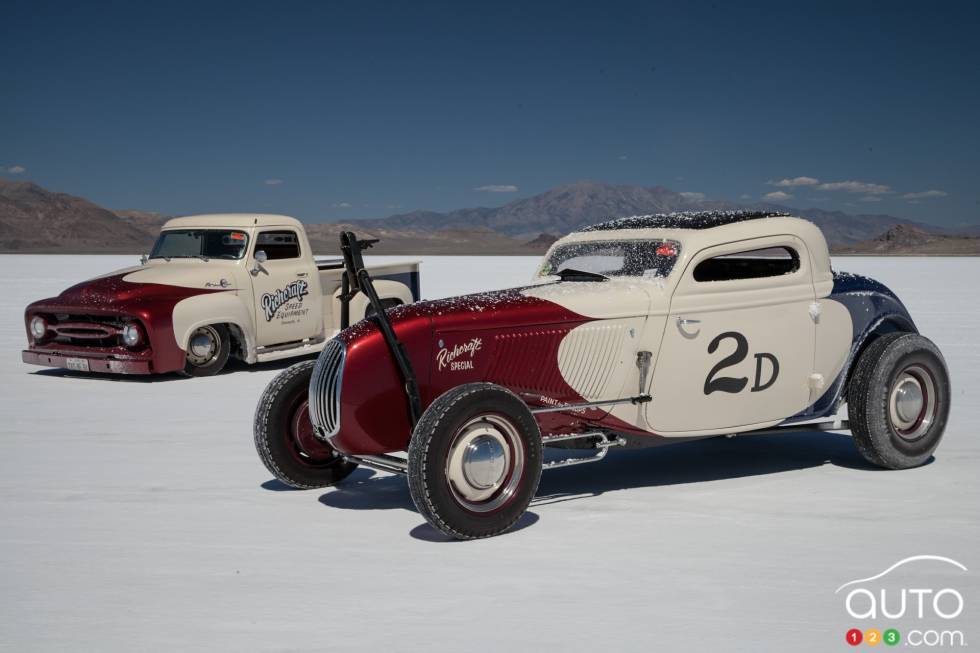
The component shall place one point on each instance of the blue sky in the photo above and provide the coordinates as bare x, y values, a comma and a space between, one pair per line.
340, 110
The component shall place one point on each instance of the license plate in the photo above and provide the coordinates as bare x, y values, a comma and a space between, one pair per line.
80, 364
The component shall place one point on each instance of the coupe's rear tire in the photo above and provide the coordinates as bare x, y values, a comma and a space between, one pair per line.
284, 435
208, 349
898, 400
474, 461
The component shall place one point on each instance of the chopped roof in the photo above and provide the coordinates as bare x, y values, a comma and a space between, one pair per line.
683, 220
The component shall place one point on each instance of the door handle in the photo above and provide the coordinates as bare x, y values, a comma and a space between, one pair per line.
302, 274
688, 335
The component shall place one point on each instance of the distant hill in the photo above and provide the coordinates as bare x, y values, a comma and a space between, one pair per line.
908, 240
35, 220
567, 208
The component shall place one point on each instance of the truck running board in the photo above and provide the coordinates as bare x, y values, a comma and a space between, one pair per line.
602, 445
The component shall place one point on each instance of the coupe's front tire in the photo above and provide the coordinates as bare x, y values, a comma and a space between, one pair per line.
474, 461
284, 435
898, 400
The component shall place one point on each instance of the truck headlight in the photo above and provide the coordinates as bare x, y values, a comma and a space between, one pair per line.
131, 334
39, 327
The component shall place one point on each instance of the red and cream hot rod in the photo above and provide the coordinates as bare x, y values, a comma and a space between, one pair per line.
635, 332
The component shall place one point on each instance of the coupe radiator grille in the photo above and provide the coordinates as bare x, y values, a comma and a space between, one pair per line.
325, 389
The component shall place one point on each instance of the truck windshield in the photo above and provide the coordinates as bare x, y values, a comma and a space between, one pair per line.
615, 258
200, 243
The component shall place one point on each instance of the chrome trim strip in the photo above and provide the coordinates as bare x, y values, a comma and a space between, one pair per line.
381, 462
325, 387
641, 399
603, 446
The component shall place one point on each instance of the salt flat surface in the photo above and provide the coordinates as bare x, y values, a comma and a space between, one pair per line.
136, 516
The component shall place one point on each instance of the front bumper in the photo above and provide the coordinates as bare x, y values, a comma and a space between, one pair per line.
96, 363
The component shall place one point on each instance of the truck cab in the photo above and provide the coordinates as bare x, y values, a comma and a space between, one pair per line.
213, 287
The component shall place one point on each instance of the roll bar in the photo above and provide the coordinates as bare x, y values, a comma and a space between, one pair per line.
357, 279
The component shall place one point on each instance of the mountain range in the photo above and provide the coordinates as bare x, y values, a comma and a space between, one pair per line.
35, 220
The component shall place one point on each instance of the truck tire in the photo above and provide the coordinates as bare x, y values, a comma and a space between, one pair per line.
208, 348
284, 435
898, 400
474, 461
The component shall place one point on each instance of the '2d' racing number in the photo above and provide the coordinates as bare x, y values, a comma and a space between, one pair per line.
715, 383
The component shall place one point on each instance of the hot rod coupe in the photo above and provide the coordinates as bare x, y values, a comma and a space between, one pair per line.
214, 287
636, 332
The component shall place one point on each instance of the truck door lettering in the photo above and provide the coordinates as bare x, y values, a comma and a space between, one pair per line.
272, 302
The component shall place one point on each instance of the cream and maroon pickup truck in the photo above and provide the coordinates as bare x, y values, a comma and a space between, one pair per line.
214, 287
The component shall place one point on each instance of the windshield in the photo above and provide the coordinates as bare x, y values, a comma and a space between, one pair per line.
616, 258
200, 243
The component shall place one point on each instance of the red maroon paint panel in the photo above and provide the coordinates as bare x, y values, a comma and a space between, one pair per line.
501, 337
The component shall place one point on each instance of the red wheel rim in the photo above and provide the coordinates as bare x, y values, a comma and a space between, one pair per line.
309, 449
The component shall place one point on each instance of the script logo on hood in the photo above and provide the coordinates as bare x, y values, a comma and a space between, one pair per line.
273, 301
448, 357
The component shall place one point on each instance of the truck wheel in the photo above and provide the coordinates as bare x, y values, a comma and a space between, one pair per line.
474, 461
284, 434
898, 400
207, 350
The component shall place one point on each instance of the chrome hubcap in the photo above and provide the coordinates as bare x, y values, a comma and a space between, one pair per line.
485, 463
908, 400
912, 402
203, 345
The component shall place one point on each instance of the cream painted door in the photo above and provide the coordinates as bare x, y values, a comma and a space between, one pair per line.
739, 339
286, 289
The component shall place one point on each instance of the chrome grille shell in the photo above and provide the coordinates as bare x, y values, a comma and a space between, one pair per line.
325, 385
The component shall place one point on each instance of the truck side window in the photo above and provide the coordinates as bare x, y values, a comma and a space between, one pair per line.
751, 264
278, 244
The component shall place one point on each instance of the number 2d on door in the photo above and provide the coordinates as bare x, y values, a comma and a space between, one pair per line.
714, 383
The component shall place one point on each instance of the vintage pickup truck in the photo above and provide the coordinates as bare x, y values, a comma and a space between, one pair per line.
635, 332
213, 287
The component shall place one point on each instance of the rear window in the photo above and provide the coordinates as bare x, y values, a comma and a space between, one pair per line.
750, 264
278, 244
616, 258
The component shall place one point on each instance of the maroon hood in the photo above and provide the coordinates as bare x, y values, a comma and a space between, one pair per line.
112, 294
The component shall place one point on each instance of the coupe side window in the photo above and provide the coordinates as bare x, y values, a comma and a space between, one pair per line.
750, 264
278, 244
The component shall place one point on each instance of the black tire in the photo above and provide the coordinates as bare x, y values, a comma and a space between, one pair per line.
484, 415
212, 364
890, 366
285, 442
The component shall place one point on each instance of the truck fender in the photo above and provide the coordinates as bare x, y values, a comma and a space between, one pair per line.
218, 308
386, 289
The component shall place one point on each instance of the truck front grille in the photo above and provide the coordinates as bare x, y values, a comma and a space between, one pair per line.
325, 389
86, 330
